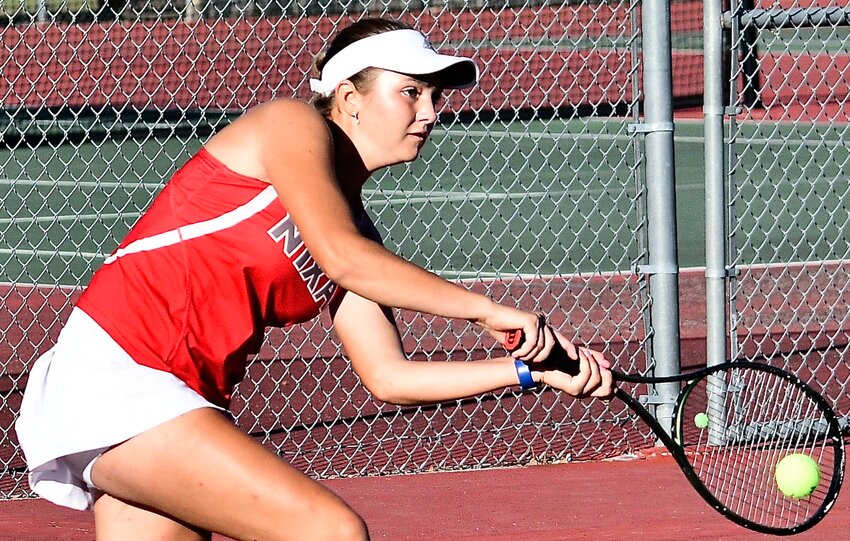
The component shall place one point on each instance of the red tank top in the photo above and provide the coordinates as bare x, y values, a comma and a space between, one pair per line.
212, 262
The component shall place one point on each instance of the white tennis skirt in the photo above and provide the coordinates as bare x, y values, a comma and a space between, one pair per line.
84, 396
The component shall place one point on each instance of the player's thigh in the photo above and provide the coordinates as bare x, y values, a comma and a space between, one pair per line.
115, 520
201, 469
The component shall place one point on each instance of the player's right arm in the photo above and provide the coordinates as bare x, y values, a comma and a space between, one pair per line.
290, 145
372, 344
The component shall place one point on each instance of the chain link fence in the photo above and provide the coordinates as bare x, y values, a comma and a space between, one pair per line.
788, 189
532, 191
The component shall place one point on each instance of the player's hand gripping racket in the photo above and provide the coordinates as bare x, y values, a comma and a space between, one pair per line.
732, 425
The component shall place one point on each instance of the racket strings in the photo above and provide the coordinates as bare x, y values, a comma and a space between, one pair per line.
736, 416
769, 506
790, 405
772, 404
755, 418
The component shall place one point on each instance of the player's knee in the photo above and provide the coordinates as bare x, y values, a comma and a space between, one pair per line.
350, 527
343, 525
353, 528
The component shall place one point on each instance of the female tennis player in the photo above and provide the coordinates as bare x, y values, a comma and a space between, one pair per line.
263, 227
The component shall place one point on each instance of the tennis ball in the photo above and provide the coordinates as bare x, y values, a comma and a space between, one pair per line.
701, 420
797, 475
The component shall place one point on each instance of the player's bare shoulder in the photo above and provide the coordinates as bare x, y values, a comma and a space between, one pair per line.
287, 111
291, 125
280, 117
279, 129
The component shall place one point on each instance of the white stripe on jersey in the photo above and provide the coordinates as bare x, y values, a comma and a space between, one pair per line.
199, 229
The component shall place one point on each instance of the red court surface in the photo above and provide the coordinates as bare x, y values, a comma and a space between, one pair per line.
642, 499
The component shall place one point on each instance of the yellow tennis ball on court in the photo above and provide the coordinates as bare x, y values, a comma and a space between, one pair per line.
701, 420
797, 475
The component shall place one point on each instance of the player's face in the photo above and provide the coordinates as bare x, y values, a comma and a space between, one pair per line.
397, 116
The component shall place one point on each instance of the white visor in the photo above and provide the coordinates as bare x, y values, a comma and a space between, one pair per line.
402, 51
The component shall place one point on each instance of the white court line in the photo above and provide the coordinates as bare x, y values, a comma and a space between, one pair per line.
67, 218
514, 135
64, 287
150, 186
82, 183
60, 253
472, 277
791, 142
401, 198
425, 196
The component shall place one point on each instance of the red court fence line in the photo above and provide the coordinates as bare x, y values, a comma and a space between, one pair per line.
233, 64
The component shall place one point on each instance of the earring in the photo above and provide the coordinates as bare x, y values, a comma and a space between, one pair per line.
356, 116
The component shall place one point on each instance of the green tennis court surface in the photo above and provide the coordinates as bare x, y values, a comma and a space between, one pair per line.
545, 198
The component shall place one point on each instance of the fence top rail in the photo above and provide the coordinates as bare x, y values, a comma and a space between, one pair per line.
773, 18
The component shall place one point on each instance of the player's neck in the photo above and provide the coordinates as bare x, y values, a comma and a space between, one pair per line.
352, 172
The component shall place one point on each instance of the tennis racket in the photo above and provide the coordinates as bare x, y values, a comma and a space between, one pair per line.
732, 425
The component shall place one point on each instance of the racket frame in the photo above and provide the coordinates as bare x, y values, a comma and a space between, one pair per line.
833, 435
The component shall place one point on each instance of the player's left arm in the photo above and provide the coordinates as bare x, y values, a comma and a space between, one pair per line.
372, 343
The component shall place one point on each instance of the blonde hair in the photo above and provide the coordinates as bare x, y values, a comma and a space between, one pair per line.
357, 31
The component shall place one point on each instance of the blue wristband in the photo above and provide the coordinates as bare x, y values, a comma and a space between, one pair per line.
524, 375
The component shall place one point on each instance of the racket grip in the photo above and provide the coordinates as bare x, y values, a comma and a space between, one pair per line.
513, 339
558, 358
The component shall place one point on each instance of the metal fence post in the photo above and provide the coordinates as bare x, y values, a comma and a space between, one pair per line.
661, 198
715, 215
